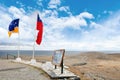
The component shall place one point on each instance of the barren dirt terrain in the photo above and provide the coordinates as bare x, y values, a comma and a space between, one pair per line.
95, 65
90, 65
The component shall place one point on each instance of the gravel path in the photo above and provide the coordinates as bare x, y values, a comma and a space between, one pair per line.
14, 71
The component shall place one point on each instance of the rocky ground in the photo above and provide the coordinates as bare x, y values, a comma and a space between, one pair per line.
95, 66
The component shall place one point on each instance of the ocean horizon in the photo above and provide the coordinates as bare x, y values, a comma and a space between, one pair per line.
46, 52
30, 52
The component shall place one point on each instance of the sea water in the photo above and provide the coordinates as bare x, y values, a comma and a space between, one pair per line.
45, 52
30, 52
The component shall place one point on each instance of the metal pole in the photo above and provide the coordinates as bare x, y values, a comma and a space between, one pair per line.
33, 48
18, 44
62, 67
55, 66
34, 43
7, 56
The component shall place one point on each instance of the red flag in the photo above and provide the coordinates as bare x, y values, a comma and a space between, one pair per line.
39, 27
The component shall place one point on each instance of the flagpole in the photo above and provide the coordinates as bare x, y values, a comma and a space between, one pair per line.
34, 45
39, 27
33, 55
18, 57
13, 28
33, 61
18, 45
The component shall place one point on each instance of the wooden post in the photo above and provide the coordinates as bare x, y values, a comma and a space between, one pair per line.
58, 58
7, 56
14, 57
62, 67
55, 66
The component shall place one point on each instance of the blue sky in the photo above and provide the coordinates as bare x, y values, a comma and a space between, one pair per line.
73, 25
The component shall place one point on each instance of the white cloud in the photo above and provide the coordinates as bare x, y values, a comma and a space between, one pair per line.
39, 2
2, 31
86, 15
19, 3
95, 25
54, 26
49, 13
104, 35
65, 9
26, 25
74, 22
54, 3
4, 18
16, 13
100, 36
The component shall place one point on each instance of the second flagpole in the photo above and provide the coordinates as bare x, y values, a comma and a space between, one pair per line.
33, 60
18, 58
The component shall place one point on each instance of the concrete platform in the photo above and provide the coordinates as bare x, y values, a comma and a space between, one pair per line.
56, 73
15, 71
49, 68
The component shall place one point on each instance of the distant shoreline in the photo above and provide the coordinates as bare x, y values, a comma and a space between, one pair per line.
50, 52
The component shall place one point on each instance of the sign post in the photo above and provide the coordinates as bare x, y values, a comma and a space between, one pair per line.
57, 58
62, 67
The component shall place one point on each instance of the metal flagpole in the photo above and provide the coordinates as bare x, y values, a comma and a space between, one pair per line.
33, 56
18, 44
18, 57
34, 45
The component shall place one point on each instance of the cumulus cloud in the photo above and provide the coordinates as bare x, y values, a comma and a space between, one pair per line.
71, 21
86, 15
64, 8
19, 3
100, 36
104, 35
53, 26
54, 4
39, 2
26, 24
2, 31
16, 12
97, 36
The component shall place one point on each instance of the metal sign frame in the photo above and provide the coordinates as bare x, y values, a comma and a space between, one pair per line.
57, 58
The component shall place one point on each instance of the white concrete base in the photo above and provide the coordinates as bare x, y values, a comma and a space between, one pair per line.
18, 59
33, 61
49, 68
